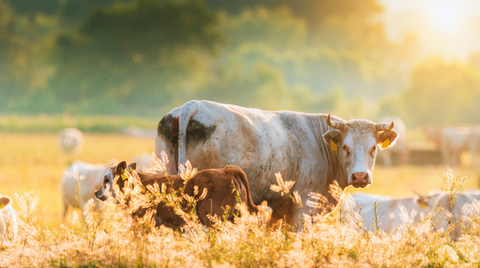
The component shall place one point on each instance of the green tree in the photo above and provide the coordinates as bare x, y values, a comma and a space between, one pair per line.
443, 93
134, 53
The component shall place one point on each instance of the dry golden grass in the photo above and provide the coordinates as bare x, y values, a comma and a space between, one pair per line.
33, 162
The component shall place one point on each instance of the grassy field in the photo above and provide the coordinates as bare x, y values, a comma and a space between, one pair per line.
44, 123
33, 162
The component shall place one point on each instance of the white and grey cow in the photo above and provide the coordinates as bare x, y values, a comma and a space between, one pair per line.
71, 141
393, 212
8, 220
313, 150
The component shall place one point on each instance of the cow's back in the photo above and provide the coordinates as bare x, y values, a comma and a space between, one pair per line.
262, 143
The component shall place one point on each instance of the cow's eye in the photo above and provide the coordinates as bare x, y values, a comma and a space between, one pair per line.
105, 180
345, 147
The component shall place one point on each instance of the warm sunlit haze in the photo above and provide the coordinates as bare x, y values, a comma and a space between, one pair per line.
355, 126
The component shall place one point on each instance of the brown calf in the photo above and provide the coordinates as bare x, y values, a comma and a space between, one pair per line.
219, 184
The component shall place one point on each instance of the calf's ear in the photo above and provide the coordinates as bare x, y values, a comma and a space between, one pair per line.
331, 138
132, 166
120, 167
387, 138
4, 201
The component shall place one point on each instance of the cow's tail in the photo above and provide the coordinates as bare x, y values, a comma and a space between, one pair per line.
241, 177
187, 111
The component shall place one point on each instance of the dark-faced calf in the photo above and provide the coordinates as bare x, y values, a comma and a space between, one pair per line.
224, 189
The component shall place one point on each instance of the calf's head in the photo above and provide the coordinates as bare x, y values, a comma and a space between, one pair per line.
4, 201
357, 142
115, 171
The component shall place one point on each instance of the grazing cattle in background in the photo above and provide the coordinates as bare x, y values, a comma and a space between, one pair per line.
313, 150
224, 188
452, 141
8, 220
400, 153
81, 178
71, 141
390, 210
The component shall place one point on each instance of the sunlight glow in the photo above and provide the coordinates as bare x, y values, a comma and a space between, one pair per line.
444, 16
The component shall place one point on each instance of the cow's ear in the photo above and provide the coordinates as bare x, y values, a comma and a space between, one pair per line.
387, 138
331, 138
120, 167
132, 166
4, 201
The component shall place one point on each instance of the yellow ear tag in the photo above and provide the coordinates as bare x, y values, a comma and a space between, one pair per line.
2, 206
124, 177
333, 146
386, 143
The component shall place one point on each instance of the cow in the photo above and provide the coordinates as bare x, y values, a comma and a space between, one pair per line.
71, 141
78, 184
8, 220
313, 150
224, 189
391, 212
400, 153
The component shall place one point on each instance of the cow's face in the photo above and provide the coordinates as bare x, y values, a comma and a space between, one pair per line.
109, 178
357, 142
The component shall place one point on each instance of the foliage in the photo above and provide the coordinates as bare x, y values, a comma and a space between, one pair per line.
440, 93
146, 57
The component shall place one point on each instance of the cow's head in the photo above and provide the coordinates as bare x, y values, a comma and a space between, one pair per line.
109, 178
358, 142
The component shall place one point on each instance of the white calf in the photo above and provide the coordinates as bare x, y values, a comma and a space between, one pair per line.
79, 183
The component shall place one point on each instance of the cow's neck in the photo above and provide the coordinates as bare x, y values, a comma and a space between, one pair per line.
336, 169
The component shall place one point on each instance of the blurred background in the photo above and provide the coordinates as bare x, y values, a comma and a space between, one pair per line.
418, 60
106, 65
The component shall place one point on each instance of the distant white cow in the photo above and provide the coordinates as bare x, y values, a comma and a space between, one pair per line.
452, 141
395, 212
71, 141
8, 220
84, 179
401, 149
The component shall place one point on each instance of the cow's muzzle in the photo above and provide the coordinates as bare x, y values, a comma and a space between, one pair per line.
360, 180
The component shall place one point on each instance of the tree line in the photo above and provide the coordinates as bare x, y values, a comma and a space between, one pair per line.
144, 57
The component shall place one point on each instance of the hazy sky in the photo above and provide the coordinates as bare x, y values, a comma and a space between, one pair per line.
450, 28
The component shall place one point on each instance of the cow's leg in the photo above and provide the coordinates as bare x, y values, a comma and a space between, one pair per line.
64, 214
170, 151
302, 217
167, 141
